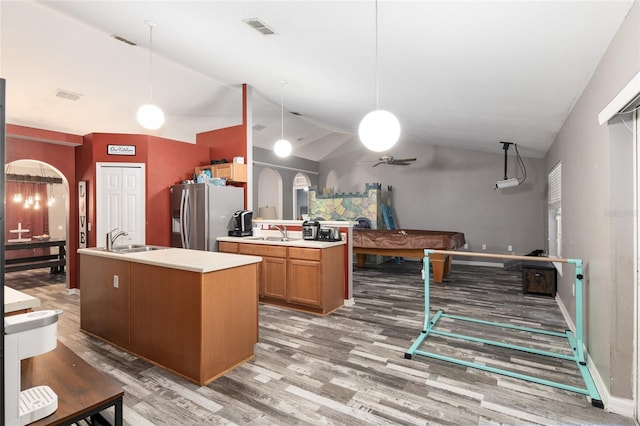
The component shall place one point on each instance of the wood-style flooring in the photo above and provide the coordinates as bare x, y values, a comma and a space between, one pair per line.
348, 368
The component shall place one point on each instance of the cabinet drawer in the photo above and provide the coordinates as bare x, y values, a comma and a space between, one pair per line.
262, 250
305, 253
227, 247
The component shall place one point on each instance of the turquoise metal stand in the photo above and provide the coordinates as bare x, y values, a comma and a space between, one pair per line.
575, 341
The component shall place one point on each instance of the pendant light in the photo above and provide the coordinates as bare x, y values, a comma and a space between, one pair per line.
282, 147
379, 130
150, 116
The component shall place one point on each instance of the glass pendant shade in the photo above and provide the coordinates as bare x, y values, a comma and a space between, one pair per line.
282, 148
150, 116
379, 130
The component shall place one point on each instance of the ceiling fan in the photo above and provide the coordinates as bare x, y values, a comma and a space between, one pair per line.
388, 159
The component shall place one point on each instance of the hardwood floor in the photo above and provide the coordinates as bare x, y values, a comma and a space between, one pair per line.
348, 368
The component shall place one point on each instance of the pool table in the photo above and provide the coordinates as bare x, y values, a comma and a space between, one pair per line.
408, 243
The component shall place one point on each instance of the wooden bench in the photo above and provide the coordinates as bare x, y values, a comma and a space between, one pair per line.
56, 262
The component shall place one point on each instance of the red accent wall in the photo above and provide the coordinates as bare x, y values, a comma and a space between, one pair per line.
166, 162
56, 149
228, 142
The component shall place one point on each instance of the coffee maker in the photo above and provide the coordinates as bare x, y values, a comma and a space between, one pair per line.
241, 224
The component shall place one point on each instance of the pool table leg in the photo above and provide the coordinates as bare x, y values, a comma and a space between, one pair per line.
441, 265
361, 260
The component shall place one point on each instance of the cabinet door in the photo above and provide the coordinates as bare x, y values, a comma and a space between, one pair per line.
273, 282
104, 305
233, 172
305, 283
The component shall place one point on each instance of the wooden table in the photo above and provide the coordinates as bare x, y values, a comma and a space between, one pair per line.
82, 390
56, 262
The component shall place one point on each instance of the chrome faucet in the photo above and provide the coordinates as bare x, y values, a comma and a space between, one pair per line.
282, 230
111, 238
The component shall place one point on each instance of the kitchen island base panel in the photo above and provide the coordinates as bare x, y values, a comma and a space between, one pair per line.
198, 325
194, 324
164, 367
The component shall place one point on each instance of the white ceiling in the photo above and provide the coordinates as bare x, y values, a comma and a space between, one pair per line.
465, 74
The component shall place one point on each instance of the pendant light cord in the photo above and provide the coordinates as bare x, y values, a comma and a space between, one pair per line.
151, 24
376, 57
282, 109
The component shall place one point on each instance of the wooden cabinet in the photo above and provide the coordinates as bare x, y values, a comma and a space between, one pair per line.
305, 282
273, 269
309, 279
232, 172
539, 278
104, 307
198, 325
305, 276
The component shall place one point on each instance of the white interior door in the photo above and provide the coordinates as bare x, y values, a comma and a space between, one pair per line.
120, 202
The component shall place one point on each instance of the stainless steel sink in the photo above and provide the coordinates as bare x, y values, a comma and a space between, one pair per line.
272, 239
135, 248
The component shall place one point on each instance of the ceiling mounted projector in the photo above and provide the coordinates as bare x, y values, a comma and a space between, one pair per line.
506, 182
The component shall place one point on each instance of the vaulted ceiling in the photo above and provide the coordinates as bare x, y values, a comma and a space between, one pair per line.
465, 74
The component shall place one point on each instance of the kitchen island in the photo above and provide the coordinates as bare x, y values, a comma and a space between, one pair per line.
192, 312
305, 275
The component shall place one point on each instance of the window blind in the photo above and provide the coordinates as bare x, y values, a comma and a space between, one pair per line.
555, 186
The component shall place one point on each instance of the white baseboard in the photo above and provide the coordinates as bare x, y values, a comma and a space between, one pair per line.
75, 291
349, 302
565, 314
612, 404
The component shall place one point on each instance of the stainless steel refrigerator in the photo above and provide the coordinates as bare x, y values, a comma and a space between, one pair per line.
200, 213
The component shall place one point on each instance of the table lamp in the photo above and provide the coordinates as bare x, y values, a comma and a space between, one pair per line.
268, 213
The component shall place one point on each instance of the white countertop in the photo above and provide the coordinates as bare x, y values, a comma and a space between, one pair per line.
338, 223
177, 258
295, 240
15, 300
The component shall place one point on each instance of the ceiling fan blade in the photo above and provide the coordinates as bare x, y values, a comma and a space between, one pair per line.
378, 163
398, 163
405, 160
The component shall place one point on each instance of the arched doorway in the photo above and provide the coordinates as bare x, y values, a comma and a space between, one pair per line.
36, 205
270, 190
301, 183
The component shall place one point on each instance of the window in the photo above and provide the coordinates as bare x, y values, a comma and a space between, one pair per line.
554, 218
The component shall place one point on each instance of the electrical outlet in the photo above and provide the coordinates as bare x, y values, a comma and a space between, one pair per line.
466, 245
509, 247
484, 247
116, 281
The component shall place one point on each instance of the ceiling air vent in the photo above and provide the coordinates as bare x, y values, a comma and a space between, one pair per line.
66, 94
260, 26
124, 40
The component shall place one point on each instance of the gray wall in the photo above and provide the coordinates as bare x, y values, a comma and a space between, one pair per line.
287, 168
451, 189
597, 214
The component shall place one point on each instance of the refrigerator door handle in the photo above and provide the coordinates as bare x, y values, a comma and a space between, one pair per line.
183, 218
